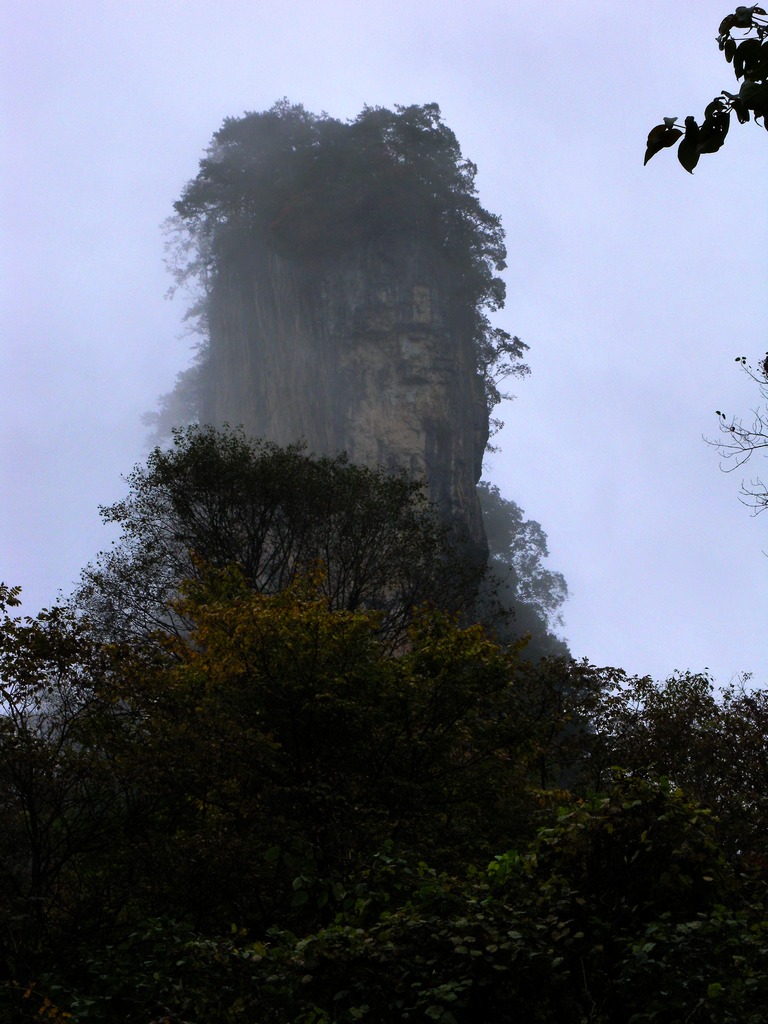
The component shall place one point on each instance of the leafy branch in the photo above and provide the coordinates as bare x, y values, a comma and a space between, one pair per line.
743, 39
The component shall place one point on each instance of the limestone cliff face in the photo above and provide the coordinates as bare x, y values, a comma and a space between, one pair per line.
367, 351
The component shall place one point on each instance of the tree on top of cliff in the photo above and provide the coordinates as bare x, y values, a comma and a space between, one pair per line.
311, 183
308, 186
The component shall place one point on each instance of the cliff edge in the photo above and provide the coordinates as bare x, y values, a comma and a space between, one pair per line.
347, 270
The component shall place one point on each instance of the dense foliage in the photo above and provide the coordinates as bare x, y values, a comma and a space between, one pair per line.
259, 804
276, 819
315, 183
310, 186
217, 498
743, 40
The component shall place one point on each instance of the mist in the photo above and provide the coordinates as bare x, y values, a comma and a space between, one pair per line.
633, 287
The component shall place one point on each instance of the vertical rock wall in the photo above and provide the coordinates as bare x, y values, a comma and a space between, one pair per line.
367, 351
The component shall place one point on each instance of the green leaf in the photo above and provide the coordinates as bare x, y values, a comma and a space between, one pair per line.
712, 109
742, 17
661, 137
688, 155
713, 131
747, 57
749, 93
688, 150
727, 24
740, 110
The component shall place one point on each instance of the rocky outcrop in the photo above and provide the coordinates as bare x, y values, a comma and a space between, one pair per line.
367, 351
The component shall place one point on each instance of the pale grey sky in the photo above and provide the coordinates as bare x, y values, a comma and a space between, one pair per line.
635, 287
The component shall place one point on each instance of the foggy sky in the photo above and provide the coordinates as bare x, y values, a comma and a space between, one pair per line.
636, 288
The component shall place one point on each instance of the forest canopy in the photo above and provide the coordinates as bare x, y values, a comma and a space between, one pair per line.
274, 817
265, 766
